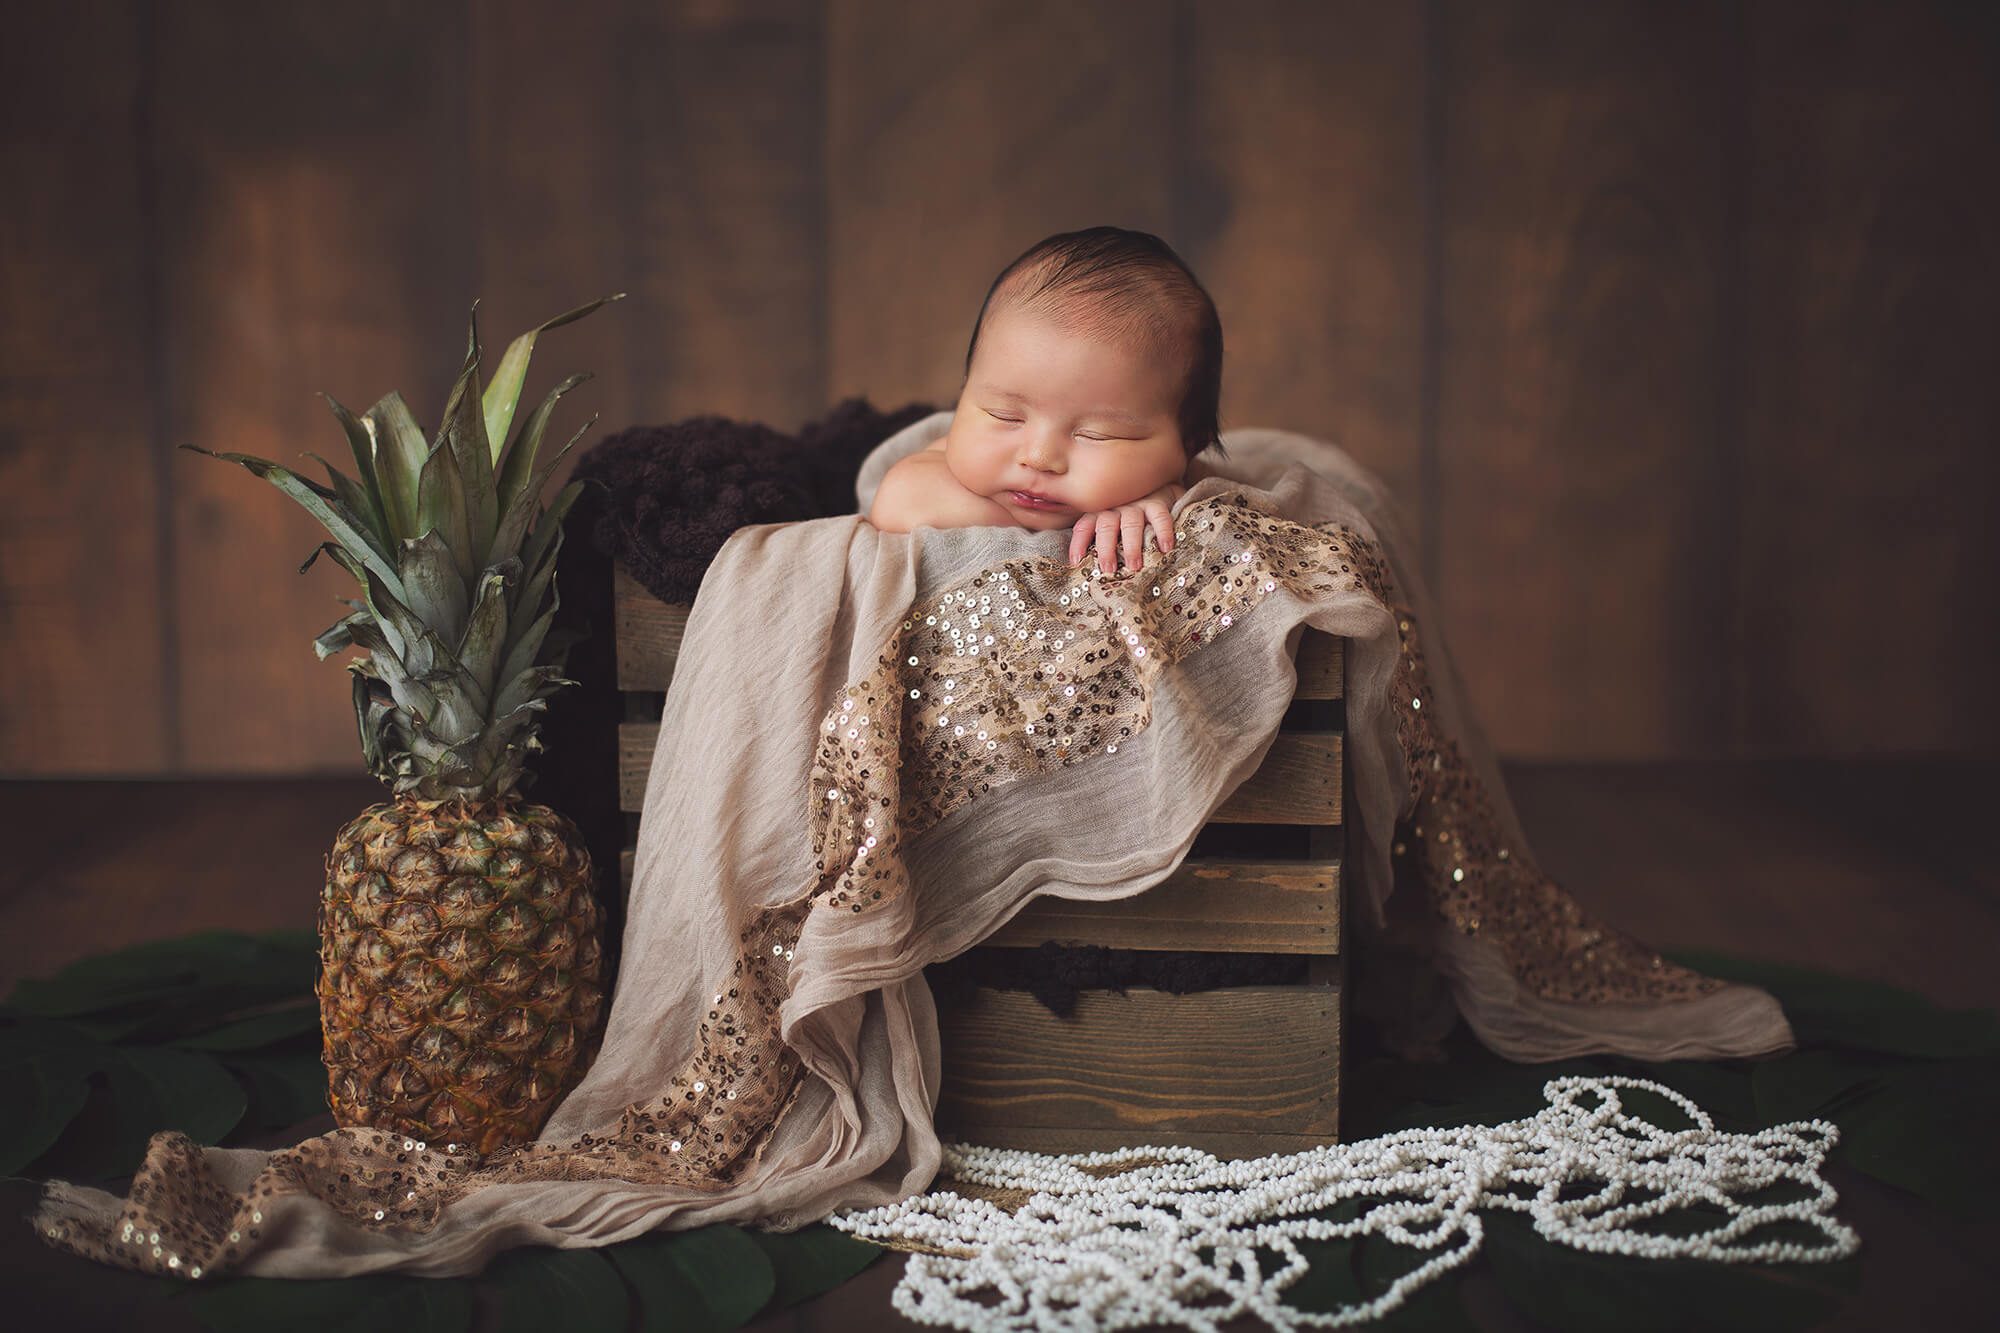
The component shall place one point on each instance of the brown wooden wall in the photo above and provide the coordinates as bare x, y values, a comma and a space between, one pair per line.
1672, 325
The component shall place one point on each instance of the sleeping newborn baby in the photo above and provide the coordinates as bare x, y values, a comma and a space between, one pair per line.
1092, 381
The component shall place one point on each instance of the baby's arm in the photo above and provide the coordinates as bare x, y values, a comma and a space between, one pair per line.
920, 492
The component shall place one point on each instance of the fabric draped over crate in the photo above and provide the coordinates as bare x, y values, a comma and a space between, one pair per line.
817, 828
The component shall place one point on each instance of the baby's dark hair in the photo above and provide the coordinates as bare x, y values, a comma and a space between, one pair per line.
1115, 283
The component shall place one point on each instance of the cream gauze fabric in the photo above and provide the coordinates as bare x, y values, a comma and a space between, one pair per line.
878, 747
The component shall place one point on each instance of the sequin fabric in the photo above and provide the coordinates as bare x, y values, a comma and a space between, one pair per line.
1014, 671
1451, 844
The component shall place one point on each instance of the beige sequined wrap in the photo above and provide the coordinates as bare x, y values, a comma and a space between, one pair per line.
877, 748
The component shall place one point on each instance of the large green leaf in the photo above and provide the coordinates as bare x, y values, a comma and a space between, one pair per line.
135, 1093
503, 393
1565, 1288
284, 1086
254, 1031
709, 1278
1349, 1272
368, 1304
229, 968
1806, 1084
540, 1287
1331, 1281
1437, 1305
812, 1260
46, 1066
1827, 1008
347, 527
1928, 1129
1724, 1090
41, 1101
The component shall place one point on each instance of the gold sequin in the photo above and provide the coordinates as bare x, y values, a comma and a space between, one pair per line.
1553, 946
1042, 668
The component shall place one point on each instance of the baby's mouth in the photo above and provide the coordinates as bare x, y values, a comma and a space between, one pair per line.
1027, 501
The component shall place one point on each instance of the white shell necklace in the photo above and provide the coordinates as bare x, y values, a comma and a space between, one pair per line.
1119, 1251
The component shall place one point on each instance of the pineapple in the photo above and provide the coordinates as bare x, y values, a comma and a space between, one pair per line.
460, 961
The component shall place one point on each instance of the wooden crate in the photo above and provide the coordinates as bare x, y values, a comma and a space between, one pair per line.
1239, 1071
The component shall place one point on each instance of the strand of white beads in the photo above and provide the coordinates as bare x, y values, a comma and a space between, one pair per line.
1093, 1252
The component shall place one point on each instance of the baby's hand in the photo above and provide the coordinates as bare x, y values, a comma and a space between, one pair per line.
1126, 526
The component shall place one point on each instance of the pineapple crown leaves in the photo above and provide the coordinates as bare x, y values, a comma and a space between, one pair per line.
455, 556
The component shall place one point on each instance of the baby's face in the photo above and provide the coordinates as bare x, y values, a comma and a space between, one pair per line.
1059, 414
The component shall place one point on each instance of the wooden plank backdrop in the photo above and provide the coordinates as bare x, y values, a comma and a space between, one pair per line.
1668, 325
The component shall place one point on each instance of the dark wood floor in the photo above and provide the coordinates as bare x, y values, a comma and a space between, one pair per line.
1876, 868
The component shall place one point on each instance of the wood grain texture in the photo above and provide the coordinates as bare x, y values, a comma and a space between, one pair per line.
648, 633
1298, 781
1265, 907
672, 151
1869, 547
1302, 201
1145, 1066
82, 612
1581, 207
957, 136
1667, 326
1210, 904
297, 259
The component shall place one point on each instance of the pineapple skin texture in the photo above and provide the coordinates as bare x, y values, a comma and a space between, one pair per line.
460, 983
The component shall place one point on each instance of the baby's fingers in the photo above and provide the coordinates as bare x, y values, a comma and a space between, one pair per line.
1163, 526
1107, 541
1080, 535
1132, 534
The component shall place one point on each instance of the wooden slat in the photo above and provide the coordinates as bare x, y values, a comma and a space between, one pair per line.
1581, 299
1304, 215
1298, 782
1256, 1064
86, 601
910, 100
287, 269
1865, 474
637, 178
1037, 1138
1213, 904
649, 634
1321, 664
